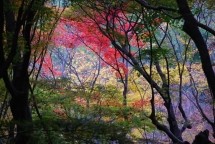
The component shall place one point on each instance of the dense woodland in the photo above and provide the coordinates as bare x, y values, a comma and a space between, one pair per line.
107, 71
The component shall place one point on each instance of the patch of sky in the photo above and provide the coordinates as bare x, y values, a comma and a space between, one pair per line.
60, 3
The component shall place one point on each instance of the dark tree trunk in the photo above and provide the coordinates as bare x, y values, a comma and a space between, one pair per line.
191, 28
1, 32
19, 105
173, 123
202, 138
174, 133
19, 87
125, 85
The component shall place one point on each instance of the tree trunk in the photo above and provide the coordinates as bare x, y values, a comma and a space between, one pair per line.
19, 87
202, 138
191, 28
125, 86
173, 123
19, 105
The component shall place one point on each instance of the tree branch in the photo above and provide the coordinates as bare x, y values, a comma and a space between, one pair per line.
163, 9
210, 30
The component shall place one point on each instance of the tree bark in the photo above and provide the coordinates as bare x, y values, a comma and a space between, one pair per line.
191, 28
19, 87
202, 138
19, 106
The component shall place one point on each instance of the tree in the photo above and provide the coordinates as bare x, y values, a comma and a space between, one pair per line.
145, 36
109, 17
22, 26
80, 34
191, 27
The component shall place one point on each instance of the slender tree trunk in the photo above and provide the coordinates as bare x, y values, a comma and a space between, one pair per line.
173, 123
1, 32
125, 85
125, 91
168, 104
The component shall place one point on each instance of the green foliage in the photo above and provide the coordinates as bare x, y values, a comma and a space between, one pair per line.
80, 113
154, 54
68, 118
210, 4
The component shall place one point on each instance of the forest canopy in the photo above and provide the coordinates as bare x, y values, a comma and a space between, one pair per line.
107, 71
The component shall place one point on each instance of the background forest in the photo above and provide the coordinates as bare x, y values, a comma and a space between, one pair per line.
107, 71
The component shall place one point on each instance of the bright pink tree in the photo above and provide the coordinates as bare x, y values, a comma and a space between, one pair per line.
81, 31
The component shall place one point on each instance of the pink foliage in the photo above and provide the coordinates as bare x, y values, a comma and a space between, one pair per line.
48, 69
59, 112
93, 33
80, 101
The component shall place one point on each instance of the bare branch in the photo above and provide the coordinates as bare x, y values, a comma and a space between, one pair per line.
210, 30
163, 9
